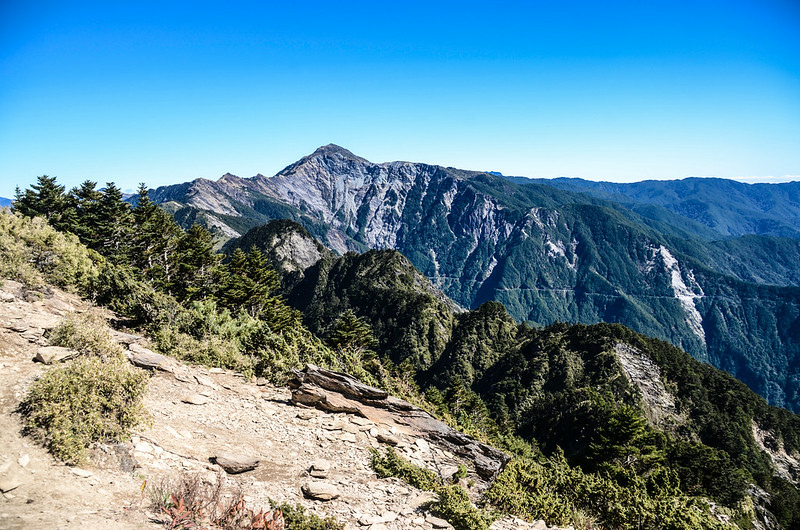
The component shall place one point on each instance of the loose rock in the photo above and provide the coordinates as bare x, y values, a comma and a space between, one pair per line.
9, 483
54, 354
144, 358
195, 399
387, 439
320, 468
321, 491
234, 464
437, 522
83, 473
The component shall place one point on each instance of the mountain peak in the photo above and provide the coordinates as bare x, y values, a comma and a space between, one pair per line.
335, 150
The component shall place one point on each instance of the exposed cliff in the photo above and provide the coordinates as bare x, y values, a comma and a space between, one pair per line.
548, 255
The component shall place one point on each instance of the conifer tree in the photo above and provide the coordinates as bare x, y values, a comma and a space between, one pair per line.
154, 240
46, 199
351, 332
626, 441
196, 265
86, 200
113, 222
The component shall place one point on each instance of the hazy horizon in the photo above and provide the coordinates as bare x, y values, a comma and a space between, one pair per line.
166, 182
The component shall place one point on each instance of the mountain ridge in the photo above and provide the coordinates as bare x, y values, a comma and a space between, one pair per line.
547, 254
737, 208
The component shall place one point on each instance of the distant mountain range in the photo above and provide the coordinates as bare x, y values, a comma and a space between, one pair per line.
728, 207
4, 202
551, 254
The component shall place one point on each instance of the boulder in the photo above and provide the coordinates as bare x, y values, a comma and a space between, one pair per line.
121, 337
10, 482
54, 354
144, 358
387, 439
235, 464
320, 468
195, 399
320, 491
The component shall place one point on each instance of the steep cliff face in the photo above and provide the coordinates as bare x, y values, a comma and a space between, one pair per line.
546, 254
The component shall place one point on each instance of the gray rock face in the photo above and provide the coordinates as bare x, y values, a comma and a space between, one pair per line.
338, 392
546, 254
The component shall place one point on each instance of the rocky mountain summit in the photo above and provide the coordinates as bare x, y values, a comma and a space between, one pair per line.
547, 254
252, 438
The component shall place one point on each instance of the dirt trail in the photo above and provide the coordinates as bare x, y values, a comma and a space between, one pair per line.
196, 414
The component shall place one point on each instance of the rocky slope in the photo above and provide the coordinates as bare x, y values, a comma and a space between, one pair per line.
304, 455
546, 254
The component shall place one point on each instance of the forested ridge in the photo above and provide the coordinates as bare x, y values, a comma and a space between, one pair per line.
556, 397
549, 254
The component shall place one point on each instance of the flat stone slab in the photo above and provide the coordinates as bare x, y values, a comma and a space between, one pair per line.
83, 473
320, 491
124, 338
54, 354
235, 464
144, 358
195, 399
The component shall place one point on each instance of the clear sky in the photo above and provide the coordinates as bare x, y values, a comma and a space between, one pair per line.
164, 92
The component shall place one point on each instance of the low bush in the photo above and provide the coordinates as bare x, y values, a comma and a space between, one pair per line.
390, 464
453, 502
561, 494
296, 518
88, 400
35, 254
190, 501
86, 333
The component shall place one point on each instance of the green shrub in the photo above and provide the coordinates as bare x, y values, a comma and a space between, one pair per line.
88, 400
393, 465
454, 506
296, 518
560, 494
453, 503
34, 253
86, 333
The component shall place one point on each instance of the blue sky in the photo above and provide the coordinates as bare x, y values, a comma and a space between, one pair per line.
163, 92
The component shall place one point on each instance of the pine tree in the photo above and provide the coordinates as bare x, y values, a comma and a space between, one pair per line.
154, 240
196, 265
626, 441
248, 282
46, 199
351, 332
86, 199
114, 222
